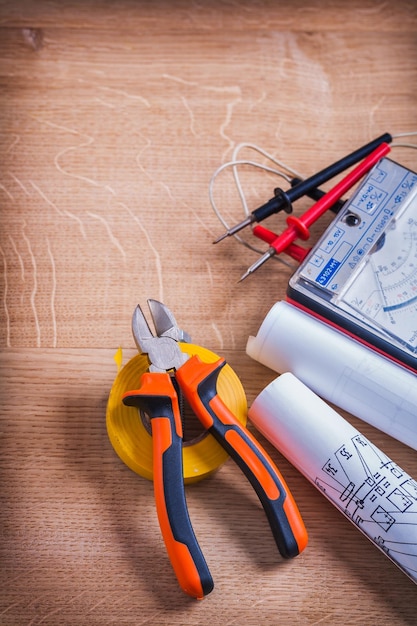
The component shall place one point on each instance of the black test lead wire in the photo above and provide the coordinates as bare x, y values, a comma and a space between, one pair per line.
282, 200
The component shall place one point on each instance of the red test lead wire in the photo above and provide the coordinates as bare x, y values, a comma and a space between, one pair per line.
298, 226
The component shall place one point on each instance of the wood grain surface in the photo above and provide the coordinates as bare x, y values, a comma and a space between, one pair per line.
114, 117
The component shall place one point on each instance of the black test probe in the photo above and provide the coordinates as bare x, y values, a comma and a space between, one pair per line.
282, 200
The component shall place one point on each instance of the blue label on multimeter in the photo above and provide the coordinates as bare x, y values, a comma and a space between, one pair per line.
327, 273
342, 251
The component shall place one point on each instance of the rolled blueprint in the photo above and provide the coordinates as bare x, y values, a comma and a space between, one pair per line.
370, 489
339, 369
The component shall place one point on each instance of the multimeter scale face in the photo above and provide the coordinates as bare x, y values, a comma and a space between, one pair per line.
362, 274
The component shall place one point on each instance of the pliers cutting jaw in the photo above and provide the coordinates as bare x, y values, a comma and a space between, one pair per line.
163, 351
165, 323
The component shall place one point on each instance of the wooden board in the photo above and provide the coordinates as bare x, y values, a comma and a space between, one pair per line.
114, 117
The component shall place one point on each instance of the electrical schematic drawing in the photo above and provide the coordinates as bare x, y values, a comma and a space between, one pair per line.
375, 494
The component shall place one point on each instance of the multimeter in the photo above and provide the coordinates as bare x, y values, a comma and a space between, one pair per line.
361, 276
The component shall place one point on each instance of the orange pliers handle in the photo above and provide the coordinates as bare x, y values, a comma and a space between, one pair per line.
198, 383
158, 399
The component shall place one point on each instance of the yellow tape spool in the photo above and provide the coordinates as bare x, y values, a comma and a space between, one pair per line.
131, 439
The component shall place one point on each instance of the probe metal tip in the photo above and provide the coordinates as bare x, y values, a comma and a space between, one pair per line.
235, 229
226, 234
245, 275
262, 259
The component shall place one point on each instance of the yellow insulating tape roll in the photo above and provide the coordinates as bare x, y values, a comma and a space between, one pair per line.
131, 439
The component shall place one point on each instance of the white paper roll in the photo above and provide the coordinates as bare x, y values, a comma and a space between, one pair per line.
339, 369
372, 491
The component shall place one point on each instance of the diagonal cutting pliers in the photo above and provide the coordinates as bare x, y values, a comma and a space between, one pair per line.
172, 373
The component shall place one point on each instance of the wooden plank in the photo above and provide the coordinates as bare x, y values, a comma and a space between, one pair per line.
114, 117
